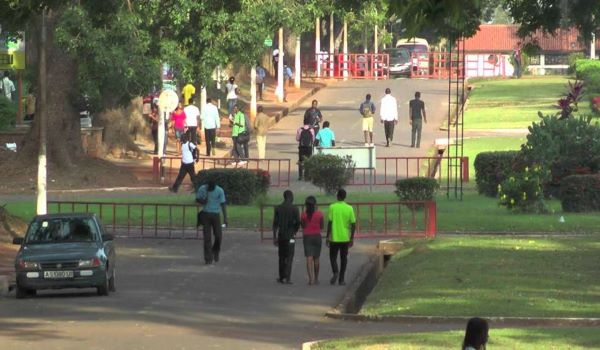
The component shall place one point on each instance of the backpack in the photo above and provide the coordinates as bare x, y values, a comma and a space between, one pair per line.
195, 152
366, 110
306, 138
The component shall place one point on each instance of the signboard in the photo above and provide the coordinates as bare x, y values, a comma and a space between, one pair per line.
12, 54
363, 157
268, 42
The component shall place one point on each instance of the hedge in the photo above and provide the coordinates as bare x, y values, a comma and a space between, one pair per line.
329, 172
491, 168
580, 193
416, 189
241, 186
8, 111
584, 67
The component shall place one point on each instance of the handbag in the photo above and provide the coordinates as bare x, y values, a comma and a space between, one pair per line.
200, 218
243, 137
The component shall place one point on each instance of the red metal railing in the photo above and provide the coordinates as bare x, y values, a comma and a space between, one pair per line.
351, 65
376, 219
390, 169
278, 169
139, 220
435, 65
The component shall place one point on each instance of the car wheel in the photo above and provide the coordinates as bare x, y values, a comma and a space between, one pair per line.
103, 288
111, 282
24, 292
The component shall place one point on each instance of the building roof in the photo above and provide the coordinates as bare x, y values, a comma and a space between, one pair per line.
503, 38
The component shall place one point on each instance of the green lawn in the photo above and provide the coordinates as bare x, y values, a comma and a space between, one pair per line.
474, 214
514, 103
492, 276
509, 338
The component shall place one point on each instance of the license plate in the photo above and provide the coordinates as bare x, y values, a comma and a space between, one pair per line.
58, 274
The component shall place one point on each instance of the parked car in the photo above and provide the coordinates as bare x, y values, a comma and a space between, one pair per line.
418, 49
65, 251
399, 61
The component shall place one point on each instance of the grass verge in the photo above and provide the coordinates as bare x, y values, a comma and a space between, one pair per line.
509, 338
492, 276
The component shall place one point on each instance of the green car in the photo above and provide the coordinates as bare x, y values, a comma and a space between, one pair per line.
65, 251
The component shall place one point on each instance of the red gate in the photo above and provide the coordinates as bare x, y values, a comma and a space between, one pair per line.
351, 65
436, 65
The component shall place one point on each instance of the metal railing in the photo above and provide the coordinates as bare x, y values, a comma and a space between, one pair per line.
375, 219
278, 169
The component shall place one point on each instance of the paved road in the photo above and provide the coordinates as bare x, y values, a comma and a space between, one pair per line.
168, 299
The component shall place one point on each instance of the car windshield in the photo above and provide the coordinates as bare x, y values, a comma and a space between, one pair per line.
399, 55
59, 230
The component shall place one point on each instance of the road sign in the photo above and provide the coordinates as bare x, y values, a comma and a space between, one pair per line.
268, 42
168, 100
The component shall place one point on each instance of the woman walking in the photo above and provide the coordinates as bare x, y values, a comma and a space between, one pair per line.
178, 123
312, 224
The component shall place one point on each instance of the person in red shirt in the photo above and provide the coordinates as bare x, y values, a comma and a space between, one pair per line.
311, 221
178, 122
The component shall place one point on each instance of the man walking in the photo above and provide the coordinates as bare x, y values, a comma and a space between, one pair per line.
367, 110
286, 222
340, 235
7, 86
388, 114
326, 136
211, 123
305, 136
191, 120
212, 197
416, 112
187, 163
261, 74
262, 122
313, 116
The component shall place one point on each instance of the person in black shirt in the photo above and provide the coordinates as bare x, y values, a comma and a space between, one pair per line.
286, 222
416, 112
313, 116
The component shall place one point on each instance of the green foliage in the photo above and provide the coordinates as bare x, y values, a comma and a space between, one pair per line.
523, 191
584, 67
416, 189
573, 58
580, 193
241, 186
8, 111
563, 146
329, 172
491, 168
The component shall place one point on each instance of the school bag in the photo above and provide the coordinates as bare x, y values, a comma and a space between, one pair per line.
366, 110
306, 139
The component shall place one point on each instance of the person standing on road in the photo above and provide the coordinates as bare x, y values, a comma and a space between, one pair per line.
388, 113
286, 222
232, 95
187, 163
191, 120
212, 197
305, 135
211, 123
340, 235
367, 110
313, 116
261, 74
416, 112
325, 137
312, 223
262, 122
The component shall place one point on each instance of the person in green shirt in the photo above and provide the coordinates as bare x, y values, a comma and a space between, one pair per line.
340, 235
240, 136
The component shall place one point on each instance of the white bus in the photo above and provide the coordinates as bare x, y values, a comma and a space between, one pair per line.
418, 49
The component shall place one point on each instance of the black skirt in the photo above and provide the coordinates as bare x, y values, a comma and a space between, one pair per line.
312, 245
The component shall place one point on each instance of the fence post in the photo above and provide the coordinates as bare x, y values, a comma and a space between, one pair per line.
431, 229
262, 228
465, 168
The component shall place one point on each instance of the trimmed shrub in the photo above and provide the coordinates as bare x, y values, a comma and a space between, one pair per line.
585, 67
329, 172
592, 83
573, 58
580, 193
8, 112
416, 189
491, 168
241, 186
523, 191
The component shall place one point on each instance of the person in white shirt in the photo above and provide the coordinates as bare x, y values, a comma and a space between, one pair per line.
211, 123
191, 120
187, 163
388, 114
232, 92
7, 86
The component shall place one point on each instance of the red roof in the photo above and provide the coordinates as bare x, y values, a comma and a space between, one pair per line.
503, 38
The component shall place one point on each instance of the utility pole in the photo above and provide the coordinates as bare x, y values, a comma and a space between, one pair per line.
280, 89
253, 91
297, 66
318, 45
42, 203
345, 49
331, 46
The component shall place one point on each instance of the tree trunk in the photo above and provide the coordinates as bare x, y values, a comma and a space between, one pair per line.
64, 135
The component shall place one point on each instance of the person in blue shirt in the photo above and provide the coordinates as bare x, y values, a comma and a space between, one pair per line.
326, 136
212, 197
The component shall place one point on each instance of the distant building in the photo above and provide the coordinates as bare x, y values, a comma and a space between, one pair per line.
488, 52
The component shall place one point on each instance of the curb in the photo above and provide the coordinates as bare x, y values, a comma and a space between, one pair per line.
295, 105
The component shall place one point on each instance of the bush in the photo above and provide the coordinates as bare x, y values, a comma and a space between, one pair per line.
584, 67
592, 83
329, 172
8, 112
491, 168
573, 61
523, 191
580, 193
416, 189
241, 186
